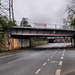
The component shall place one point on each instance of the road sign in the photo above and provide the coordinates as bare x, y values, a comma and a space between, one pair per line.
40, 25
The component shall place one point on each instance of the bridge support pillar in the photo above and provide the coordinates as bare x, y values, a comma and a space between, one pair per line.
24, 43
73, 41
30, 42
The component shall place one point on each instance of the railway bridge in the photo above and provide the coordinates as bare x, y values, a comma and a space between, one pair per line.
27, 32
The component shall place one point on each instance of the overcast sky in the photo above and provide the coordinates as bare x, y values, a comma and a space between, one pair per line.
41, 11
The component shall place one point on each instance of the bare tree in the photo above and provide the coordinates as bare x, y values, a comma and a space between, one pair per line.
71, 10
24, 22
71, 14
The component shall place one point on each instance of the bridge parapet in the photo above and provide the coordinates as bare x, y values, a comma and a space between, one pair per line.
29, 31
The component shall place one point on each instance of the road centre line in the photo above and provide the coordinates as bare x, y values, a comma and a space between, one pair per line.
44, 64
51, 57
54, 53
61, 57
58, 72
48, 59
60, 63
64, 51
37, 71
14, 61
62, 54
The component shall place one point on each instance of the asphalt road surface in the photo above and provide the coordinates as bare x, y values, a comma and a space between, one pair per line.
40, 62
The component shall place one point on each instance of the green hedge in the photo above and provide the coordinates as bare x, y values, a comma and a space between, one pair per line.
38, 43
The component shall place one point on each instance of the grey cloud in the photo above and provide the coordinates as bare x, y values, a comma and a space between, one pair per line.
44, 11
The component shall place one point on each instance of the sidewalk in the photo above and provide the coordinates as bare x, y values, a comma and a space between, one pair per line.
54, 45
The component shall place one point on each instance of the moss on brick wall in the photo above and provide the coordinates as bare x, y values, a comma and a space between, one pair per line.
3, 45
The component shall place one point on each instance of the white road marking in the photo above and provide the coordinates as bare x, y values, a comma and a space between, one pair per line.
58, 72
54, 62
54, 53
14, 61
37, 71
62, 54
60, 63
64, 51
59, 52
51, 57
48, 59
61, 57
44, 64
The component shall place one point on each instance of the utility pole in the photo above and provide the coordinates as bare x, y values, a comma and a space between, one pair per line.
0, 7
11, 11
6, 9
0, 2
